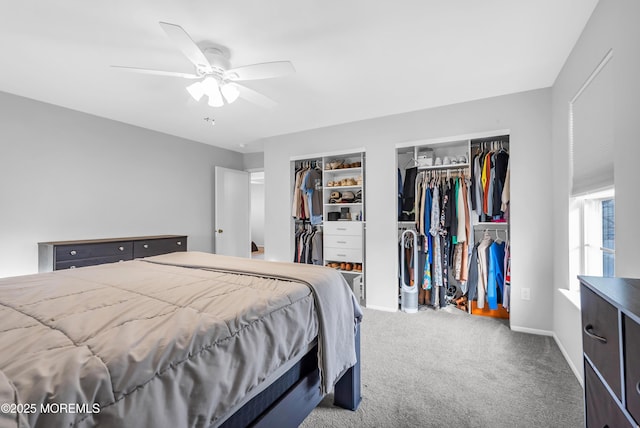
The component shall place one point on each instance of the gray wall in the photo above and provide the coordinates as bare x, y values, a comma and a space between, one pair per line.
613, 24
525, 114
253, 161
68, 175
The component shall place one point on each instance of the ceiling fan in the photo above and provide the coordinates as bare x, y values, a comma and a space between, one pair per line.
213, 73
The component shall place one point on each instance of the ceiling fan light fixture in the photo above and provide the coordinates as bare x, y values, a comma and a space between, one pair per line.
196, 90
215, 99
209, 85
230, 92
213, 74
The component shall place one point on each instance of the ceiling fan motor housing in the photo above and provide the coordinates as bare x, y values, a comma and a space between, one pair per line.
218, 60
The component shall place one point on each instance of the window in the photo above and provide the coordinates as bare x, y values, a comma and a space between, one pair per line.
592, 235
608, 236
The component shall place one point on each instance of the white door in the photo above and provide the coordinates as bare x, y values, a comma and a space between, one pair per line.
232, 214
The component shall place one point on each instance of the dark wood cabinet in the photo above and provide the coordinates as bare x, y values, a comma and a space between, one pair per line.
601, 409
600, 341
611, 345
72, 254
632, 369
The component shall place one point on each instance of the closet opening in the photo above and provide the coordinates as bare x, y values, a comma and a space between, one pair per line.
328, 214
454, 198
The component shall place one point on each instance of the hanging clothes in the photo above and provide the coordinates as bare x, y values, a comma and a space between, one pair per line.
418, 207
473, 280
308, 245
478, 192
451, 221
426, 219
300, 205
444, 235
461, 212
501, 167
491, 173
311, 179
506, 189
451, 263
316, 248
399, 194
506, 299
446, 204
297, 203
483, 268
486, 178
467, 231
440, 206
495, 277
408, 194
436, 271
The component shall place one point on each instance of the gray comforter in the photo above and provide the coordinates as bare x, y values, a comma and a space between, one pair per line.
173, 340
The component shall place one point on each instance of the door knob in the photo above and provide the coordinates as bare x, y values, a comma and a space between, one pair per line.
219, 231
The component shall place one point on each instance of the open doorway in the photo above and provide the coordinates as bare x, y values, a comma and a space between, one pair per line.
257, 214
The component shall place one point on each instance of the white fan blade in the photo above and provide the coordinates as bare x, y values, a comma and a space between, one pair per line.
254, 97
156, 72
185, 44
265, 70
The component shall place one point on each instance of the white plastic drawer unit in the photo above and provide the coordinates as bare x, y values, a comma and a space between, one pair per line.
353, 255
343, 228
343, 241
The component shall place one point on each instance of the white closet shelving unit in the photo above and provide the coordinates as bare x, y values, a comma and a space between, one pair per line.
451, 155
343, 177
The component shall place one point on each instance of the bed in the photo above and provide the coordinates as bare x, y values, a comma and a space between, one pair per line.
182, 339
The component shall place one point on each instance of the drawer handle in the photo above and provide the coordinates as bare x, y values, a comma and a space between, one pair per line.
72, 267
341, 255
73, 252
121, 248
638, 387
341, 228
146, 245
179, 242
341, 242
588, 329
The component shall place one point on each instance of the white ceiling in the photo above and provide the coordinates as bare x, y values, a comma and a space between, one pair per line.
355, 59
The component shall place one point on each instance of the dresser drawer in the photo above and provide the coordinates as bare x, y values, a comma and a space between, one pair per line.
343, 254
601, 409
343, 228
600, 337
632, 368
71, 264
344, 241
154, 247
85, 251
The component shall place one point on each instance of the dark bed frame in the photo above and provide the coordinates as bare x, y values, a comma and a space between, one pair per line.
289, 400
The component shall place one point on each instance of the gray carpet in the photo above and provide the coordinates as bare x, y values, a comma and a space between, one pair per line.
450, 369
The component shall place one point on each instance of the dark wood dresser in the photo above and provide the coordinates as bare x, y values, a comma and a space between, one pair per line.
72, 254
611, 346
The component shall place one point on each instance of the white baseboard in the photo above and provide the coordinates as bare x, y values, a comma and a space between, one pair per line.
381, 308
532, 330
575, 370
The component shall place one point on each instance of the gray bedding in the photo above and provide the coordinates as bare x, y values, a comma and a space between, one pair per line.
173, 340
